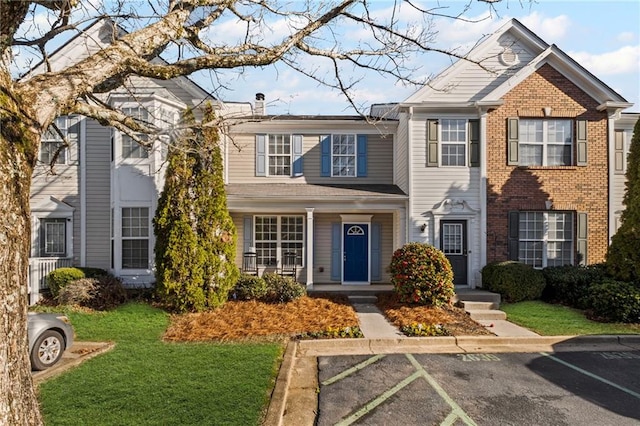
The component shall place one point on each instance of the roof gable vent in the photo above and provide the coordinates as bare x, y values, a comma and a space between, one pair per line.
508, 56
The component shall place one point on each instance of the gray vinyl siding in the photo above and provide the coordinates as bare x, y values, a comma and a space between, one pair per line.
401, 169
63, 185
242, 158
98, 195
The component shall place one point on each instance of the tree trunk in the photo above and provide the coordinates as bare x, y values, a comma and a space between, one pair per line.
19, 140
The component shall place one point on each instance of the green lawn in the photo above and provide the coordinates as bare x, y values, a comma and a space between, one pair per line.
144, 381
557, 320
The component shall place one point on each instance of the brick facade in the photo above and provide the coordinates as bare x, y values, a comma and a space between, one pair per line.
569, 188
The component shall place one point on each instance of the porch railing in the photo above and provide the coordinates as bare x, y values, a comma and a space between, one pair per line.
39, 267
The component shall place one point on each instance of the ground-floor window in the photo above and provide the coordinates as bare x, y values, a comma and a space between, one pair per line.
135, 238
277, 235
53, 237
545, 238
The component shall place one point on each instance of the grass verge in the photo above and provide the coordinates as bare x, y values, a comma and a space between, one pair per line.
145, 381
557, 320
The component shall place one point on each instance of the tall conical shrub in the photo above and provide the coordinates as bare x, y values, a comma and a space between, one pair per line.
195, 236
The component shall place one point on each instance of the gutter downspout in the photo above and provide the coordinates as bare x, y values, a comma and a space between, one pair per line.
410, 174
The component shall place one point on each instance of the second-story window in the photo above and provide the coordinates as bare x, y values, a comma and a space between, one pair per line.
454, 142
546, 142
52, 143
343, 155
131, 148
279, 155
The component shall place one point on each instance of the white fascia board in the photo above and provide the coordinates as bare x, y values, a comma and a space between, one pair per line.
53, 205
122, 98
263, 206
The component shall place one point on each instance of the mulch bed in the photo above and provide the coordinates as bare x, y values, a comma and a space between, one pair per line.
257, 321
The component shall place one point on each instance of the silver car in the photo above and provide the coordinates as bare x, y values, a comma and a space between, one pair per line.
49, 336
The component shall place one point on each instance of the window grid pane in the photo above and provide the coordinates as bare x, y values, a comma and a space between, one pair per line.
546, 239
279, 155
135, 241
453, 155
343, 155
276, 235
54, 237
546, 142
52, 141
452, 238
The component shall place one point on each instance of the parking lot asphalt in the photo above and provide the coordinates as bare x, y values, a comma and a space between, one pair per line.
543, 388
552, 380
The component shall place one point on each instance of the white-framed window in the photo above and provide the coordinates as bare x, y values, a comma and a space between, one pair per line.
276, 235
53, 143
279, 154
129, 147
546, 142
343, 155
135, 237
545, 238
53, 237
453, 137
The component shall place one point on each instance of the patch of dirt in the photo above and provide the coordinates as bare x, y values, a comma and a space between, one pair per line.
253, 320
455, 320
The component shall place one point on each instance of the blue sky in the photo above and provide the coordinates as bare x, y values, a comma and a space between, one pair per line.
603, 36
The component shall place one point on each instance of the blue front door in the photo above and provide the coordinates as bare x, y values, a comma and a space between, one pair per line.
356, 253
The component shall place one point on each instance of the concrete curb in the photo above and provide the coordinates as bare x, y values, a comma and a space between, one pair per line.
74, 356
275, 412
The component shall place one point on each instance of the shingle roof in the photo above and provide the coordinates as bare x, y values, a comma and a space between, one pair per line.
313, 191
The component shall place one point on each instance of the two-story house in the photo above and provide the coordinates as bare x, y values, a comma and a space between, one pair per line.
510, 155
320, 187
516, 153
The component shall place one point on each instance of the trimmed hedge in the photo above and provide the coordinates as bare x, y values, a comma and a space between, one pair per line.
421, 274
59, 278
569, 285
514, 281
614, 301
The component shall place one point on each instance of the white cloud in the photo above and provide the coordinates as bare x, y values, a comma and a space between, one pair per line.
622, 61
551, 30
626, 37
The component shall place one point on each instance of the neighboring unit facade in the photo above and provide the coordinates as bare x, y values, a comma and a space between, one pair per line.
513, 159
322, 188
520, 158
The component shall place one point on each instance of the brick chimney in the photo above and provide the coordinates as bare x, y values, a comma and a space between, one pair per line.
259, 107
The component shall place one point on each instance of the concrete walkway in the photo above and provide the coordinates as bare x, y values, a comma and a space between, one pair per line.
373, 324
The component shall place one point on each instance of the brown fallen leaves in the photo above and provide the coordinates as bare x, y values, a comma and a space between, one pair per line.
253, 320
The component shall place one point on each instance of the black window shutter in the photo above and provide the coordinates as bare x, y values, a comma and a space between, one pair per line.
474, 143
512, 141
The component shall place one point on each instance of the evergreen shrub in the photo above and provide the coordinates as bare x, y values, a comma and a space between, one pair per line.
569, 285
61, 277
614, 301
282, 289
249, 287
514, 281
421, 274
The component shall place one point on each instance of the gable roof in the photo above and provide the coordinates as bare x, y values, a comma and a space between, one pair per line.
99, 35
501, 79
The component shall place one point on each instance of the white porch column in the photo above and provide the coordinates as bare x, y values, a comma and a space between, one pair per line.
309, 248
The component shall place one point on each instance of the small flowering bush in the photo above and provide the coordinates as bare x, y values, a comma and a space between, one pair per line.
424, 330
334, 333
421, 274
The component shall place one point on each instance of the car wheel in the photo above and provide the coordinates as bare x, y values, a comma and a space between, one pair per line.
47, 350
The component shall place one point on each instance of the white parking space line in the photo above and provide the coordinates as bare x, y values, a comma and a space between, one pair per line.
593, 376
